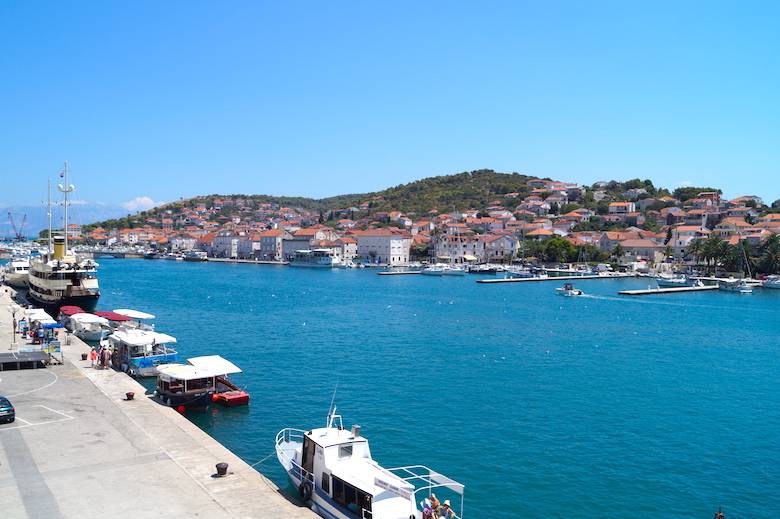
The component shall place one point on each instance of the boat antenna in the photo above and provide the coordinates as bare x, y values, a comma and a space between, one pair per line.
65, 188
331, 409
48, 214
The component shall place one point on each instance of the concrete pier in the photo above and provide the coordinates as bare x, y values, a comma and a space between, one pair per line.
80, 448
665, 290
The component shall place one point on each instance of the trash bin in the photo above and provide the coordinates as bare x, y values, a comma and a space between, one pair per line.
222, 469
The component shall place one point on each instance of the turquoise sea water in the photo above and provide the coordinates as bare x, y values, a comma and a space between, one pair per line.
605, 406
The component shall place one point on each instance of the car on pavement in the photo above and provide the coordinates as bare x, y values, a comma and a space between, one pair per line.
7, 412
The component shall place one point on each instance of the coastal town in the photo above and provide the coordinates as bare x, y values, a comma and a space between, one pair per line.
553, 222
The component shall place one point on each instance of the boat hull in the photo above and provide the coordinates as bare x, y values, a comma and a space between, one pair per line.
199, 401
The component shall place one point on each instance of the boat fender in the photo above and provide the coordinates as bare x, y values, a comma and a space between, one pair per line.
305, 491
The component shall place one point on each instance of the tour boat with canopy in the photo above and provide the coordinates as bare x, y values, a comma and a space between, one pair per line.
226, 392
334, 474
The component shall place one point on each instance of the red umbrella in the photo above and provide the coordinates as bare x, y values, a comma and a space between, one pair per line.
71, 310
113, 316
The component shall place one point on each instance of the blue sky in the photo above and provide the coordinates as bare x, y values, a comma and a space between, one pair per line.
155, 101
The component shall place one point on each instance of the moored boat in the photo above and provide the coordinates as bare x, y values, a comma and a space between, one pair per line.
771, 282
16, 272
677, 281
315, 258
196, 255
185, 385
735, 285
61, 277
334, 473
139, 351
89, 327
226, 392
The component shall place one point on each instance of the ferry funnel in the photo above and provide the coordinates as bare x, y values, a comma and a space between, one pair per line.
59, 247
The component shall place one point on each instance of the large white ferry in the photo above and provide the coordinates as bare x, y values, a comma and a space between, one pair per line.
59, 276
334, 474
315, 258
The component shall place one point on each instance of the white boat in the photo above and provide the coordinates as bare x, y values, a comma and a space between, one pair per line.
196, 255
315, 258
139, 352
736, 285
89, 327
451, 270
568, 290
16, 271
432, 270
185, 385
771, 282
334, 474
59, 276
677, 281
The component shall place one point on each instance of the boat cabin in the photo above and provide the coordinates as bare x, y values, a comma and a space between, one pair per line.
184, 385
141, 351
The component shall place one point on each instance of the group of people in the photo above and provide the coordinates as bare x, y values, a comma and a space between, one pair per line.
432, 509
101, 357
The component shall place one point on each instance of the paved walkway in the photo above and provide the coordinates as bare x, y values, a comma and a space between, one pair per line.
79, 448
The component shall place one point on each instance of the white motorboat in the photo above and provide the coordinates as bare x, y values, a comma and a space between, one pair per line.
315, 258
736, 285
568, 290
432, 270
677, 281
771, 282
334, 474
451, 270
16, 272
89, 327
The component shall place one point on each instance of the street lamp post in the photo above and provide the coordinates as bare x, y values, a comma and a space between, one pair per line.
13, 309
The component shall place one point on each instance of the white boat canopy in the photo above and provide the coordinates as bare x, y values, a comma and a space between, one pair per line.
182, 372
133, 314
144, 337
89, 318
215, 364
38, 314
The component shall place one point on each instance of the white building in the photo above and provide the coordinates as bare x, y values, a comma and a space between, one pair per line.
385, 246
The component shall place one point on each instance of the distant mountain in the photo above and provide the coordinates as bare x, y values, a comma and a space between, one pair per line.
36, 221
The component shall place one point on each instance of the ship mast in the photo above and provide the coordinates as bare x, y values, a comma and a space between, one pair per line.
65, 190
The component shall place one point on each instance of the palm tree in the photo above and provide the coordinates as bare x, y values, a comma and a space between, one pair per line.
618, 251
695, 249
668, 252
769, 261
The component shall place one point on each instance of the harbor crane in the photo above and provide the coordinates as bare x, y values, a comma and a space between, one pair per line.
20, 231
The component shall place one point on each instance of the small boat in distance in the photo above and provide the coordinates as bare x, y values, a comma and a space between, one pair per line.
771, 282
568, 290
677, 281
735, 285
196, 255
334, 474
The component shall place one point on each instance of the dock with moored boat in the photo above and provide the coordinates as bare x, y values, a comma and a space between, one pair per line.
95, 443
553, 278
665, 290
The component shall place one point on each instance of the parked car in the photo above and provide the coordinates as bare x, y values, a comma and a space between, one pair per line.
7, 412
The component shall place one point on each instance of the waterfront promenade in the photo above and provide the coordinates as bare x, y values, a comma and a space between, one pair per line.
80, 448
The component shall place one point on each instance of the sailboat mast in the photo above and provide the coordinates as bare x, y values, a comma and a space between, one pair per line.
65, 190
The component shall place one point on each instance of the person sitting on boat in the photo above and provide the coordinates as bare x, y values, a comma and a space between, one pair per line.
427, 509
434, 502
444, 511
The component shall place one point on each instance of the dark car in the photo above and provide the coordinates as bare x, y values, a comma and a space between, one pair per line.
7, 412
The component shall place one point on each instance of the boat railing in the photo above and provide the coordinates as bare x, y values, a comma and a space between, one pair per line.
424, 478
293, 435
